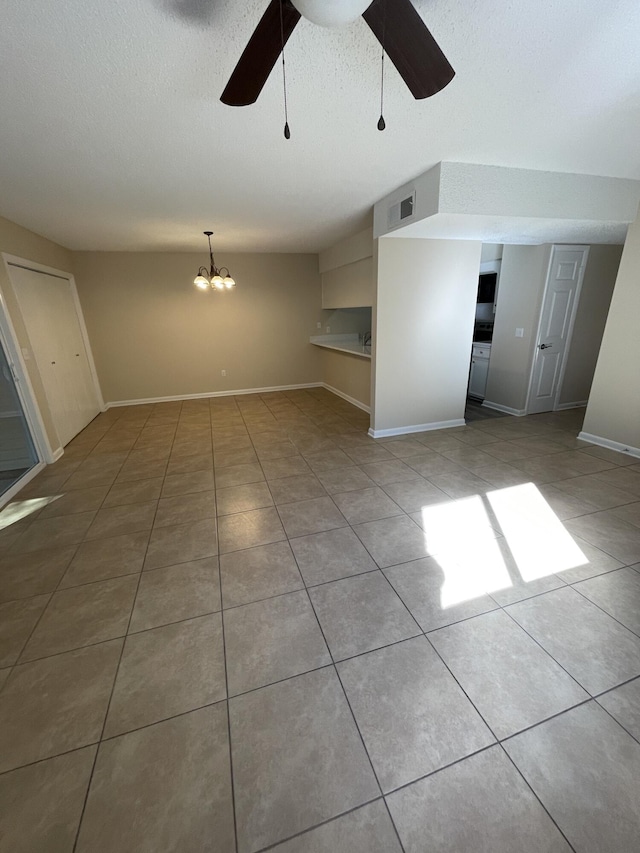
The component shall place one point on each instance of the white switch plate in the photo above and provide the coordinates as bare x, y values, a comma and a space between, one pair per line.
223, 373
519, 333
318, 325
328, 330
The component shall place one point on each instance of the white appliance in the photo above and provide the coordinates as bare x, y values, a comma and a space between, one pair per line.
480, 354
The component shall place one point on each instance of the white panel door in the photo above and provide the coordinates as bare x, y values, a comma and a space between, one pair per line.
49, 311
559, 305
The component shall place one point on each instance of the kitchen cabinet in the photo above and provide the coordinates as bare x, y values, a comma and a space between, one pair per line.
348, 286
480, 354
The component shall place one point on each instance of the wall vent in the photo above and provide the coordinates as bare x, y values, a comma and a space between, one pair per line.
401, 210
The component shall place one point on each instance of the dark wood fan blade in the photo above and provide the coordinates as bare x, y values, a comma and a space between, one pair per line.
260, 55
410, 46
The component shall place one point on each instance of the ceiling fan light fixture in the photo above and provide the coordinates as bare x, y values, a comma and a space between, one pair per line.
331, 13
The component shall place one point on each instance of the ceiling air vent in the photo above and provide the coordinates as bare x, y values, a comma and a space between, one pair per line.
401, 210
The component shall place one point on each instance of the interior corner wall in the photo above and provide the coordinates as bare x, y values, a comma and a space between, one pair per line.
423, 329
613, 411
18, 241
523, 274
591, 315
154, 335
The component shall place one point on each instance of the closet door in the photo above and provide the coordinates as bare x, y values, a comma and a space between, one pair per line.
50, 316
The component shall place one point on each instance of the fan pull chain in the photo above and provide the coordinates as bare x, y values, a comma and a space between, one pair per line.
287, 132
381, 121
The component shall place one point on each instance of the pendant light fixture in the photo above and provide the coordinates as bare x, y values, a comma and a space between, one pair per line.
213, 278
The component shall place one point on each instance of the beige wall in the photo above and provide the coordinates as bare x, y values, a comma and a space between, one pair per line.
153, 334
613, 412
423, 328
350, 374
522, 277
18, 241
591, 315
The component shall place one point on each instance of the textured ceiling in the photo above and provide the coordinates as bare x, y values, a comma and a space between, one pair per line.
112, 135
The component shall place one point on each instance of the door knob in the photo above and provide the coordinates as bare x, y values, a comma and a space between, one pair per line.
545, 346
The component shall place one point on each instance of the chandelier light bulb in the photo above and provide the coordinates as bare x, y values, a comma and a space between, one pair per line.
201, 282
217, 282
229, 282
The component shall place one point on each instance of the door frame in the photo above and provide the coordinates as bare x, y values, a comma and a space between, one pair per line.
572, 320
46, 452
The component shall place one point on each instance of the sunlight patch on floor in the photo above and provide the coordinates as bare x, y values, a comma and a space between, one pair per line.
17, 510
461, 538
536, 537
474, 562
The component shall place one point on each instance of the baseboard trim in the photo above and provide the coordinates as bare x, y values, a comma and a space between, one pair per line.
56, 454
346, 397
518, 413
22, 482
383, 433
610, 445
562, 406
239, 391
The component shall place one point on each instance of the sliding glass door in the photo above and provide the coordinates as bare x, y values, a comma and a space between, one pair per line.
17, 452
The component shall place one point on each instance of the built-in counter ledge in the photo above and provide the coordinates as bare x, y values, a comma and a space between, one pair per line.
343, 343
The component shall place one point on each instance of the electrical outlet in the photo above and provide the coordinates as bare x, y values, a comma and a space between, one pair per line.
519, 333
328, 330
223, 373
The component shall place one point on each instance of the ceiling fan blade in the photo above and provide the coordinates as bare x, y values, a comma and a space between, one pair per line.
260, 55
410, 46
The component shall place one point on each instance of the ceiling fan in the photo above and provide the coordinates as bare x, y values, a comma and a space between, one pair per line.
395, 23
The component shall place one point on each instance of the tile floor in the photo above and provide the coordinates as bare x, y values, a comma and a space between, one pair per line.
242, 624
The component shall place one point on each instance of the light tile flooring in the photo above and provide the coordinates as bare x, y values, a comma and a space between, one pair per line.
240, 624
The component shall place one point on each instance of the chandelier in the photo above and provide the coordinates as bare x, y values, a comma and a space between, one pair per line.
213, 278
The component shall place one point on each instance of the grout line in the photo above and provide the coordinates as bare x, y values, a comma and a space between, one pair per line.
344, 692
615, 719
108, 705
599, 607
304, 832
226, 681
530, 787
539, 644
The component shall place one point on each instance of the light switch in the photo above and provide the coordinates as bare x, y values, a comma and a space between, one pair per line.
519, 333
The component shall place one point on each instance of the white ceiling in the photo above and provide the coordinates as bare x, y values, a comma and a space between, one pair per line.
112, 135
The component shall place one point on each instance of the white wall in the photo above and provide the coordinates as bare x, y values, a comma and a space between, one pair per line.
491, 252
347, 251
522, 278
348, 286
347, 272
613, 412
591, 316
423, 328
